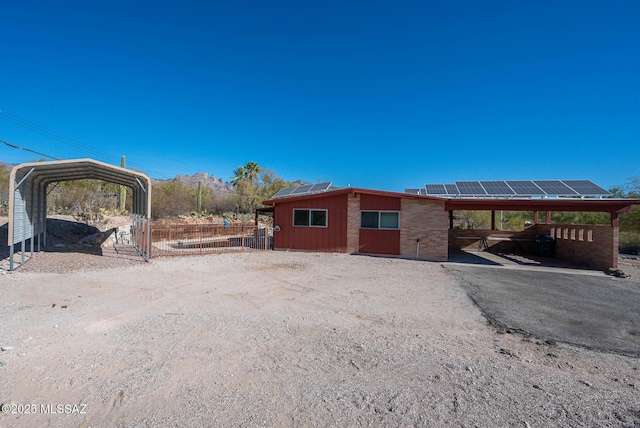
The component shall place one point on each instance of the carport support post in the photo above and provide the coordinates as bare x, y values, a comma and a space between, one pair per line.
24, 223
451, 219
535, 217
547, 220
493, 219
33, 219
614, 219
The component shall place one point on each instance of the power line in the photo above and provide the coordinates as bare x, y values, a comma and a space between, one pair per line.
27, 150
102, 155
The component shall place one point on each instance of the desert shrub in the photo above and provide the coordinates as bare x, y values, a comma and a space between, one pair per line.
629, 242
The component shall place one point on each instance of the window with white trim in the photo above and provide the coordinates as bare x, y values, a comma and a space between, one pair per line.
309, 218
380, 220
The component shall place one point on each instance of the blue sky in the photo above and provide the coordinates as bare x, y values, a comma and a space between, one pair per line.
376, 94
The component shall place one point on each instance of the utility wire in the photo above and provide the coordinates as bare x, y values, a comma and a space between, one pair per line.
105, 156
27, 150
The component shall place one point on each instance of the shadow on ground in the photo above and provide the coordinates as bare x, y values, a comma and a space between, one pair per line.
64, 236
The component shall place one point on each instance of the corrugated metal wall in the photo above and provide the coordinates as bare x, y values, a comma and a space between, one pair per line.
332, 238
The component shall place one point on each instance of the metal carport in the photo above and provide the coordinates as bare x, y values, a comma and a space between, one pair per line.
28, 199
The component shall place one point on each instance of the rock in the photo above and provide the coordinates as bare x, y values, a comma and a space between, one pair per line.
97, 239
7, 348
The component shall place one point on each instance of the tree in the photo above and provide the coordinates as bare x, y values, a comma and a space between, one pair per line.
172, 198
239, 176
629, 223
4, 189
251, 170
245, 180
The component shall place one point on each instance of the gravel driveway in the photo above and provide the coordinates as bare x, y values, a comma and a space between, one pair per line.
277, 339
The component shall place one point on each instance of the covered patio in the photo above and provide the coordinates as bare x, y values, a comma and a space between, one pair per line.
594, 246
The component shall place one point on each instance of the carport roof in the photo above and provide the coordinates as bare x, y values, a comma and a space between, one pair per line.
557, 204
64, 170
28, 185
608, 205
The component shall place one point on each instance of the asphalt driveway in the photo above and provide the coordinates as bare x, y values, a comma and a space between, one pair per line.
595, 312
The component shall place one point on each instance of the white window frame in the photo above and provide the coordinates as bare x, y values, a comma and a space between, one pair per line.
326, 214
379, 218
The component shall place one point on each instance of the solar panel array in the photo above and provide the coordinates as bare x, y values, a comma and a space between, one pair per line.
303, 189
514, 189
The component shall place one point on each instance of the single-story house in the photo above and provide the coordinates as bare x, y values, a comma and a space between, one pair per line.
365, 221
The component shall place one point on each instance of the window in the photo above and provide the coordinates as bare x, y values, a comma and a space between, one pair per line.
379, 220
310, 218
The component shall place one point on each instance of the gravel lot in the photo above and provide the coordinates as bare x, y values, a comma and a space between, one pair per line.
286, 339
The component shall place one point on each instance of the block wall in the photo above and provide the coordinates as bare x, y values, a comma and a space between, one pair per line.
427, 221
353, 223
594, 246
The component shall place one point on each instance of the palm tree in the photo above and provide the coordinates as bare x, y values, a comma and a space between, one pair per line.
240, 175
251, 170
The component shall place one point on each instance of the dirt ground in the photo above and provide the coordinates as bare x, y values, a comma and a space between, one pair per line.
285, 339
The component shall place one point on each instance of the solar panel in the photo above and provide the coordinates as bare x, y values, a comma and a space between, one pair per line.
435, 189
284, 192
586, 188
302, 189
320, 187
470, 188
517, 188
412, 191
554, 187
497, 188
525, 188
451, 189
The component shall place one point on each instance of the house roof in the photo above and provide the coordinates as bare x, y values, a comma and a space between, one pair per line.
608, 205
350, 190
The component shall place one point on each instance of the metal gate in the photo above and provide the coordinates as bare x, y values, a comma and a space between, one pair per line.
194, 239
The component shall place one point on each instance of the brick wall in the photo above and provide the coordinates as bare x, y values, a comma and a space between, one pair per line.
594, 246
353, 223
499, 241
428, 221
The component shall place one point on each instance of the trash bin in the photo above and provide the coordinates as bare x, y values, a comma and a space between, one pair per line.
544, 246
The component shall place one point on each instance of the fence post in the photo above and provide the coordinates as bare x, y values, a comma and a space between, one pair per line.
148, 239
266, 238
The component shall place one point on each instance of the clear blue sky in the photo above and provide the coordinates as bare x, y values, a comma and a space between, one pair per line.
376, 94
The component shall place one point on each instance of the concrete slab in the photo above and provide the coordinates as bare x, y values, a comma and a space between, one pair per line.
519, 262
